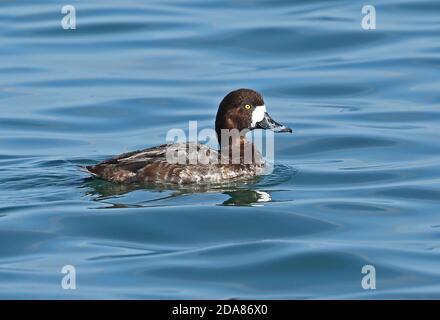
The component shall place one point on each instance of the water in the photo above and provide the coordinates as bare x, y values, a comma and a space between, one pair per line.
357, 184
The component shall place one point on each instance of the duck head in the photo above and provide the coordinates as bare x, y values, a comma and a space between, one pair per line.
244, 109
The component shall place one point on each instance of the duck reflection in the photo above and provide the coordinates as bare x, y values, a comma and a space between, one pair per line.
239, 193
246, 197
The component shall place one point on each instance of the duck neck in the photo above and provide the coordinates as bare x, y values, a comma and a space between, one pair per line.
237, 150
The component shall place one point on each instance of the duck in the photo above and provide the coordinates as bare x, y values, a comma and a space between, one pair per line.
239, 112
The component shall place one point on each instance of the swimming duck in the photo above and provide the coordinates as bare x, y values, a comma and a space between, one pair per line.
240, 111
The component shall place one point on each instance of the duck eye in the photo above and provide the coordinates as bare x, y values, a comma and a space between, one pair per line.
248, 107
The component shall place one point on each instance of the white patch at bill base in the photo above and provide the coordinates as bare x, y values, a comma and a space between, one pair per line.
258, 114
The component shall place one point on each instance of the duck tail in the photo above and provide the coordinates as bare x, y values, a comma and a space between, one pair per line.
88, 170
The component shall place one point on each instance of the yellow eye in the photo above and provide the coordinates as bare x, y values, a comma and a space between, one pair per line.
248, 107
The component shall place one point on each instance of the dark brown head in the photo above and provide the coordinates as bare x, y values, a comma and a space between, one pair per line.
245, 109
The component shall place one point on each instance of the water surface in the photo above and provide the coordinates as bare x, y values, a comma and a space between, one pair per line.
357, 184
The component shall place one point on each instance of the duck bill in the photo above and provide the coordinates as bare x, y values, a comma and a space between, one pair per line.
270, 124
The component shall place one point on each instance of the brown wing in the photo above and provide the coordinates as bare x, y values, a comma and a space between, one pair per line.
151, 165
125, 167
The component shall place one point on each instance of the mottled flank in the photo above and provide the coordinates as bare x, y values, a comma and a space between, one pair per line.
152, 166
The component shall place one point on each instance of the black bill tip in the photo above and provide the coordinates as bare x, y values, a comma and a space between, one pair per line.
283, 129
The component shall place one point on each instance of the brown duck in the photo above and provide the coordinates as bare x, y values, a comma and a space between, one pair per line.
186, 163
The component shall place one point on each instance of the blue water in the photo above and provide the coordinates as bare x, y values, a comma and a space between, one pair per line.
357, 184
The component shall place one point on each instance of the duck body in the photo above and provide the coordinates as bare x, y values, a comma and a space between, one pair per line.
189, 162
153, 166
